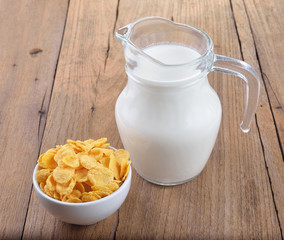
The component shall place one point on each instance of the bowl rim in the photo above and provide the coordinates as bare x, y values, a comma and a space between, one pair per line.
112, 195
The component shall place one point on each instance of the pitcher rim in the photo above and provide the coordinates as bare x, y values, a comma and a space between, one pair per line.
130, 26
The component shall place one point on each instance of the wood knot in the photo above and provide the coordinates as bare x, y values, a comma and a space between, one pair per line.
35, 51
92, 109
41, 112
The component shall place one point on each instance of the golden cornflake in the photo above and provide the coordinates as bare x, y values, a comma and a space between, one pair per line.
112, 186
42, 185
105, 161
64, 151
87, 161
74, 200
79, 186
46, 160
127, 171
71, 161
102, 188
103, 193
47, 191
96, 153
82, 175
100, 176
82, 171
42, 175
65, 188
101, 143
56, 195
50, 183
63, 175
122, 157
90, 196
75, 193
114, 166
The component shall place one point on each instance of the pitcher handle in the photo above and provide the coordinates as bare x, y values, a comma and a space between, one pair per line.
248, 74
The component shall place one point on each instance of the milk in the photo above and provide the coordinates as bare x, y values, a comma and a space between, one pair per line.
171, 54
169, 131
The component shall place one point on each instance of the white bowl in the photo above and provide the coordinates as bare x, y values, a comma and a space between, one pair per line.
83, 213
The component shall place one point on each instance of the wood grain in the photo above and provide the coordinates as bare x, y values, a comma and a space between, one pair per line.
268, 128
266, 23
31, 34
238, 194
268, 29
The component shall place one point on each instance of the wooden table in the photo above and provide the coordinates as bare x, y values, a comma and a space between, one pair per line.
62, 70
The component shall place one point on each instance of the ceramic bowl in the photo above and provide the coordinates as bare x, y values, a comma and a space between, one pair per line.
83, 213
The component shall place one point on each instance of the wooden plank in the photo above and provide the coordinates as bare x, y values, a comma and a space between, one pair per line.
268, 29
265, 36
31, 33
232, 196
86, 86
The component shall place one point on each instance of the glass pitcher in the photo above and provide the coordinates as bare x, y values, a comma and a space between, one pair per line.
168, 115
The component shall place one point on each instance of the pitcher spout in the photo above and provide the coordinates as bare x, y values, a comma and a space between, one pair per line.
122, 33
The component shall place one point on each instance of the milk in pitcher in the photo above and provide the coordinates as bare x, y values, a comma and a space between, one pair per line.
169, 132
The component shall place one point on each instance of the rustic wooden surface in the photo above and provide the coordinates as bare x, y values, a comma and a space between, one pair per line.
61, 71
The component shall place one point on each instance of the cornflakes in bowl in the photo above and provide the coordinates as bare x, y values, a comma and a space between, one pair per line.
82, 182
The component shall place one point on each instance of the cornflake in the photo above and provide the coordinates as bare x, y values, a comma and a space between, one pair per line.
82, 171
